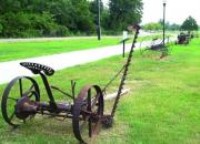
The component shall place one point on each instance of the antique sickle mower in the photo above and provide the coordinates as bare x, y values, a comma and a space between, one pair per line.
21, 100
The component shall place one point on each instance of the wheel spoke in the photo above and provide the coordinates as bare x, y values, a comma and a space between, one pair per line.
31, 88
89, 109
15, 91
20, 87
90, 127
94, 100
31, 95
89, 100
12, 116
96, 128
86, 121
29, 91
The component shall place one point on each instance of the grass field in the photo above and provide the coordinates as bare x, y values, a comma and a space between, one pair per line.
13, 50
21, 50
163, 106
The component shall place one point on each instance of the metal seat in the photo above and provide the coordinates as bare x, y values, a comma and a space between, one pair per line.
38, 68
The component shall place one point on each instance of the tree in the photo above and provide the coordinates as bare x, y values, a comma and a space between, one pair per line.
104, 14
124, 13
95, 9
189, 24
19, 18
174, 27
152, 26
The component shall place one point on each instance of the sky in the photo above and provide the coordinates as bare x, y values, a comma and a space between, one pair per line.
176, 10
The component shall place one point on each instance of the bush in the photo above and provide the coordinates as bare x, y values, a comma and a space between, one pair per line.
1, 28
30, 25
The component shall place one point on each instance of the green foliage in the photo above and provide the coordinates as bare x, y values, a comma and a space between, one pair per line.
124, 13
75, 15
189, 24
30, 25
169, 26
104, 17
152, 26
174, 27
25, 18
94, 8
1, 28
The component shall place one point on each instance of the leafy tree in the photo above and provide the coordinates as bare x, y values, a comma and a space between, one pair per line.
44, 18
1, 28
30, 24
152, 26
124, 13
24, 18
104, 14
189, 24
169, 26
174, 27
105, 18
82, 16
94, 8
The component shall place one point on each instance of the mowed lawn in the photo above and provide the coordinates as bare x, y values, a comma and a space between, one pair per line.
163, 106
26, 49
13, 50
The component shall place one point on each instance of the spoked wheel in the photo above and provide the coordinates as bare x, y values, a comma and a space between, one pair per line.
87, 113
16, 91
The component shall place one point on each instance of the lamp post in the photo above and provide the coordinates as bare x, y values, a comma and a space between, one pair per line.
99, 20
164, 11
164, 49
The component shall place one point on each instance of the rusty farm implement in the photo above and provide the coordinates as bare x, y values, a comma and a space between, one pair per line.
22, 100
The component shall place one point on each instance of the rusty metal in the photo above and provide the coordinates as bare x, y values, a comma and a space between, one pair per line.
107, 120
125, 72
83, 109
9, 118
86, 110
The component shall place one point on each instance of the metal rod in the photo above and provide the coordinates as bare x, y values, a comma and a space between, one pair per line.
73, 86
53, 114
48, 90
20, 87
104, 89
56, 88
123, 48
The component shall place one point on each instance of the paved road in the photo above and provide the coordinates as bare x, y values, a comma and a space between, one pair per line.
11, 69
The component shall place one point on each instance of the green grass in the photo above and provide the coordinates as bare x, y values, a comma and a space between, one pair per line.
21, 50
163, 106
26, 49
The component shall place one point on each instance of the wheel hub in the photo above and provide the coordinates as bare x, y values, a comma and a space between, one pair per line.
25, 107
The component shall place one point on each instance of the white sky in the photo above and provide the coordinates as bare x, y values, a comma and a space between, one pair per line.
176, 10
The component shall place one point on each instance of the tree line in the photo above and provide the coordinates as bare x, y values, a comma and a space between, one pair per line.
34, 18
189, 24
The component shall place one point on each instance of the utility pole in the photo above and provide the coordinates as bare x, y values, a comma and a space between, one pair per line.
164, 11
99, 20
165, 50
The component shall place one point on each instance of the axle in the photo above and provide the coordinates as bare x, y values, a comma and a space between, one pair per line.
26, 107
